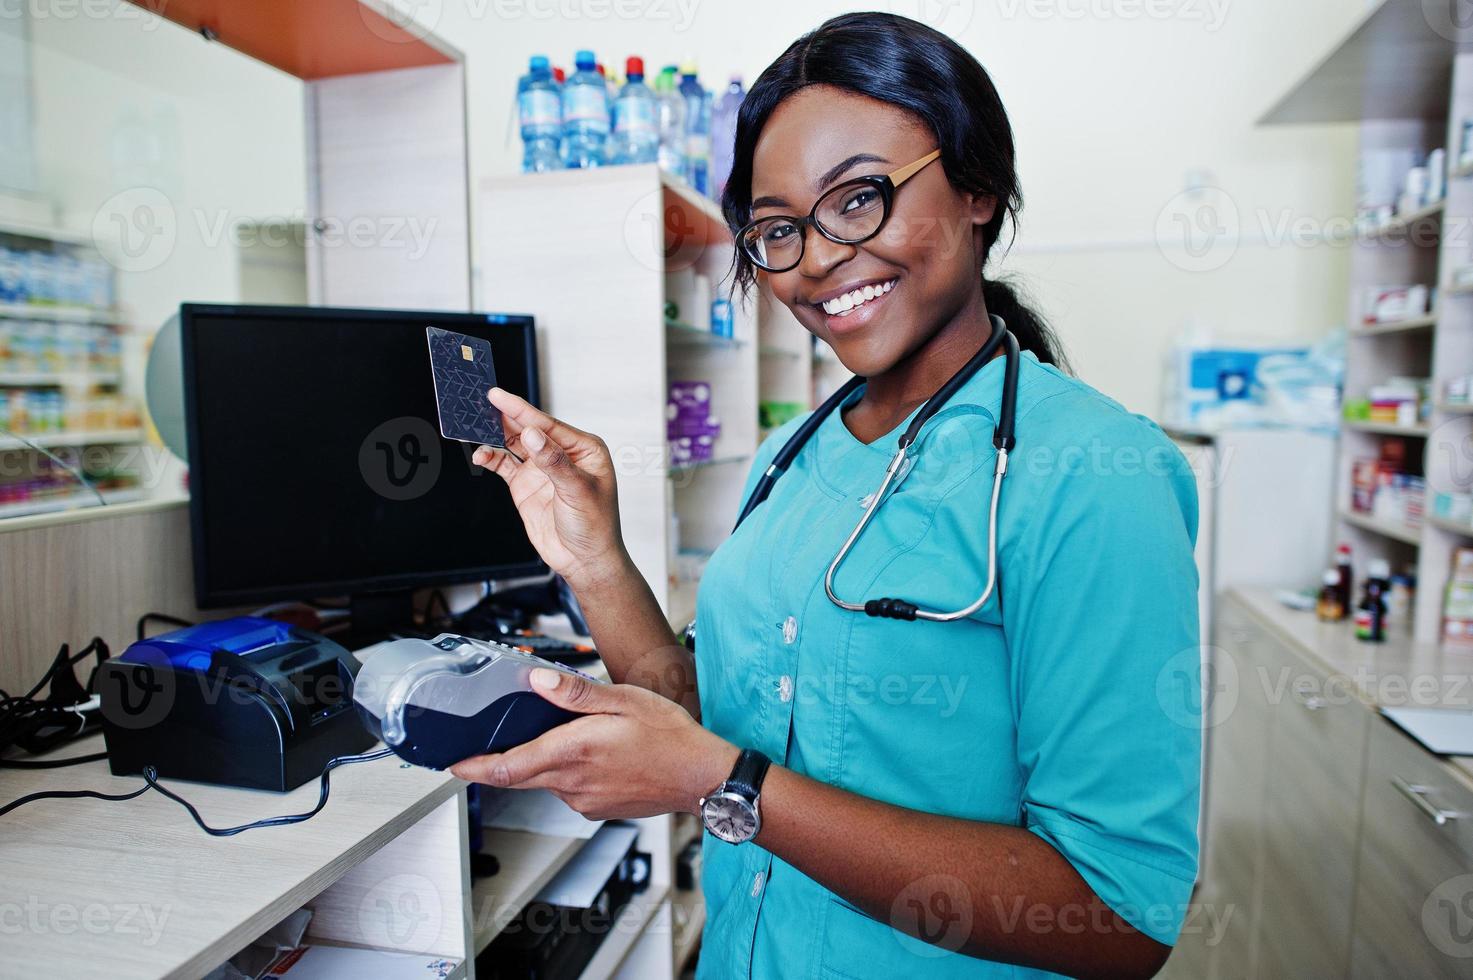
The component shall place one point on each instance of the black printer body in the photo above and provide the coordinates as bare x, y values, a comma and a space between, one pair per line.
239, 702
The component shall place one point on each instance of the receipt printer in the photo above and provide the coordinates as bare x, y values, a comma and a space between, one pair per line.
241, 702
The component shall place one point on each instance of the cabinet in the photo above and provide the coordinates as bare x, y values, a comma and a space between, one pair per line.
1334, 845
1414, 888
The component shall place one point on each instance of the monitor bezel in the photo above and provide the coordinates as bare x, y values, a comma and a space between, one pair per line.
208, 597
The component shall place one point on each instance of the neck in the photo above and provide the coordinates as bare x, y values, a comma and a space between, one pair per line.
895, 393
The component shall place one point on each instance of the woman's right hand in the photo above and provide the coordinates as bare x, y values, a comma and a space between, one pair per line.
565, 491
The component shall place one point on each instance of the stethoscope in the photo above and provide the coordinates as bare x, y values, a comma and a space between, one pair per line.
899, 467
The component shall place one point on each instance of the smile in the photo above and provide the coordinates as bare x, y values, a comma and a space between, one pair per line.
849, 302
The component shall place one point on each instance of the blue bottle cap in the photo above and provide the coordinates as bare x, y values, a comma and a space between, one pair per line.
539, 62
585, 60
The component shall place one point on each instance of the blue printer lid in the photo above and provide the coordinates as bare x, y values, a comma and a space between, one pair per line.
191, 648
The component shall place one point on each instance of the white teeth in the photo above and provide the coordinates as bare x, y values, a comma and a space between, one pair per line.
840, 305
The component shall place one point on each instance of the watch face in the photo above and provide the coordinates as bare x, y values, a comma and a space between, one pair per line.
730, 818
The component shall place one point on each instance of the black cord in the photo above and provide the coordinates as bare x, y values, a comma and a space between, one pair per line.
75, 760
151, 776
154, 617
70, 794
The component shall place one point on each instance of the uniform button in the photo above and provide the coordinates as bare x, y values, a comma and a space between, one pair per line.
757, 884
790, 630
785, 689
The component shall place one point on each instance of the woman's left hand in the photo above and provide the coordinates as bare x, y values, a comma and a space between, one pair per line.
633, 754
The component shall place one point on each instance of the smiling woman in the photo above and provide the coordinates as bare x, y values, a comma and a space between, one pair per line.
1041, 818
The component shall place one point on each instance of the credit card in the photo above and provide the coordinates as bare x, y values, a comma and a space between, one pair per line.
464, 374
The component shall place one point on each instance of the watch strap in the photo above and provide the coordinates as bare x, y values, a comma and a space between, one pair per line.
747, 775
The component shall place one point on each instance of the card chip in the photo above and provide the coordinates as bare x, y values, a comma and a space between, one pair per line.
467, 353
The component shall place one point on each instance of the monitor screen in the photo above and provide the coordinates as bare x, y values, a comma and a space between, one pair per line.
316, 462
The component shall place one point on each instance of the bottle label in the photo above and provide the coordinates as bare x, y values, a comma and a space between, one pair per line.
635, 117
540, 107
585, 103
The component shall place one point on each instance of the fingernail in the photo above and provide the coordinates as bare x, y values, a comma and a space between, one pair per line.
481, 455
546, 679
491, 395
533, 439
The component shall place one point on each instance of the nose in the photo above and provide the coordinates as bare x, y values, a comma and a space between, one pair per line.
820, 255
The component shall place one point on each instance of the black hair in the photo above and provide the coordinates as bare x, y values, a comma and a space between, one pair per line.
907, 64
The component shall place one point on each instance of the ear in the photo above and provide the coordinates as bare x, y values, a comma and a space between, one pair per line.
982, 207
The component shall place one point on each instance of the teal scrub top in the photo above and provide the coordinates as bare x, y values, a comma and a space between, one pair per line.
1068, 705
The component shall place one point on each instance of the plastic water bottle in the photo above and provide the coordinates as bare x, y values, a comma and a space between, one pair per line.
723, 133
697, 129
540, 111
585, 114
672, 123
636, 119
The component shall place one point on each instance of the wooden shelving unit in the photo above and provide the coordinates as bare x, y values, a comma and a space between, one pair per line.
1409, 86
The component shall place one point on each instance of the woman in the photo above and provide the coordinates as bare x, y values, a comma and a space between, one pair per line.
944, 798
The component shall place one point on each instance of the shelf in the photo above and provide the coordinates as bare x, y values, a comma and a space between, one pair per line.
1455, 408
679, 334
1402, 222
83, 498
704, 463
50, 379
1404, 533
1392, 65
51, 440
1418, 431
1395, 326
61, 314
767, 350
688, 918
528, 862
1451, 527
625, 931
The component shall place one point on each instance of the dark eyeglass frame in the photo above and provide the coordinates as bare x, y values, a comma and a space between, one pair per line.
886, 184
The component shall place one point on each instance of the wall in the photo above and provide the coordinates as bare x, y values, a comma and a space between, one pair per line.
1116, 110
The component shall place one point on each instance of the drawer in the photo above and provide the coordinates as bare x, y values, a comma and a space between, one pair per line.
1414, 895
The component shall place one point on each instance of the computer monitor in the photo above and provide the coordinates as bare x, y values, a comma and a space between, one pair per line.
317, 467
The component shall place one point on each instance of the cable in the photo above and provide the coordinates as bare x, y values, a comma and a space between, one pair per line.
70, 794
76, 475
151, 777
75, 760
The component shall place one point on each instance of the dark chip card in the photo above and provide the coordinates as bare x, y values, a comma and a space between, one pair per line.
463, 375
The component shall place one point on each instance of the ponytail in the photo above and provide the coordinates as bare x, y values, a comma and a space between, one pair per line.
1033, 332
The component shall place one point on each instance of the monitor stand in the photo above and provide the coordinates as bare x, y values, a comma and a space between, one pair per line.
375, 616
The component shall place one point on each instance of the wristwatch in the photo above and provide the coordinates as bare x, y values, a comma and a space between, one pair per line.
730, 812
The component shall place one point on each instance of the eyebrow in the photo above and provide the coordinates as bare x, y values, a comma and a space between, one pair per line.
829, 176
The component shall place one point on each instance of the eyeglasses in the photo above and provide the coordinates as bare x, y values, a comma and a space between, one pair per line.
849, 213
